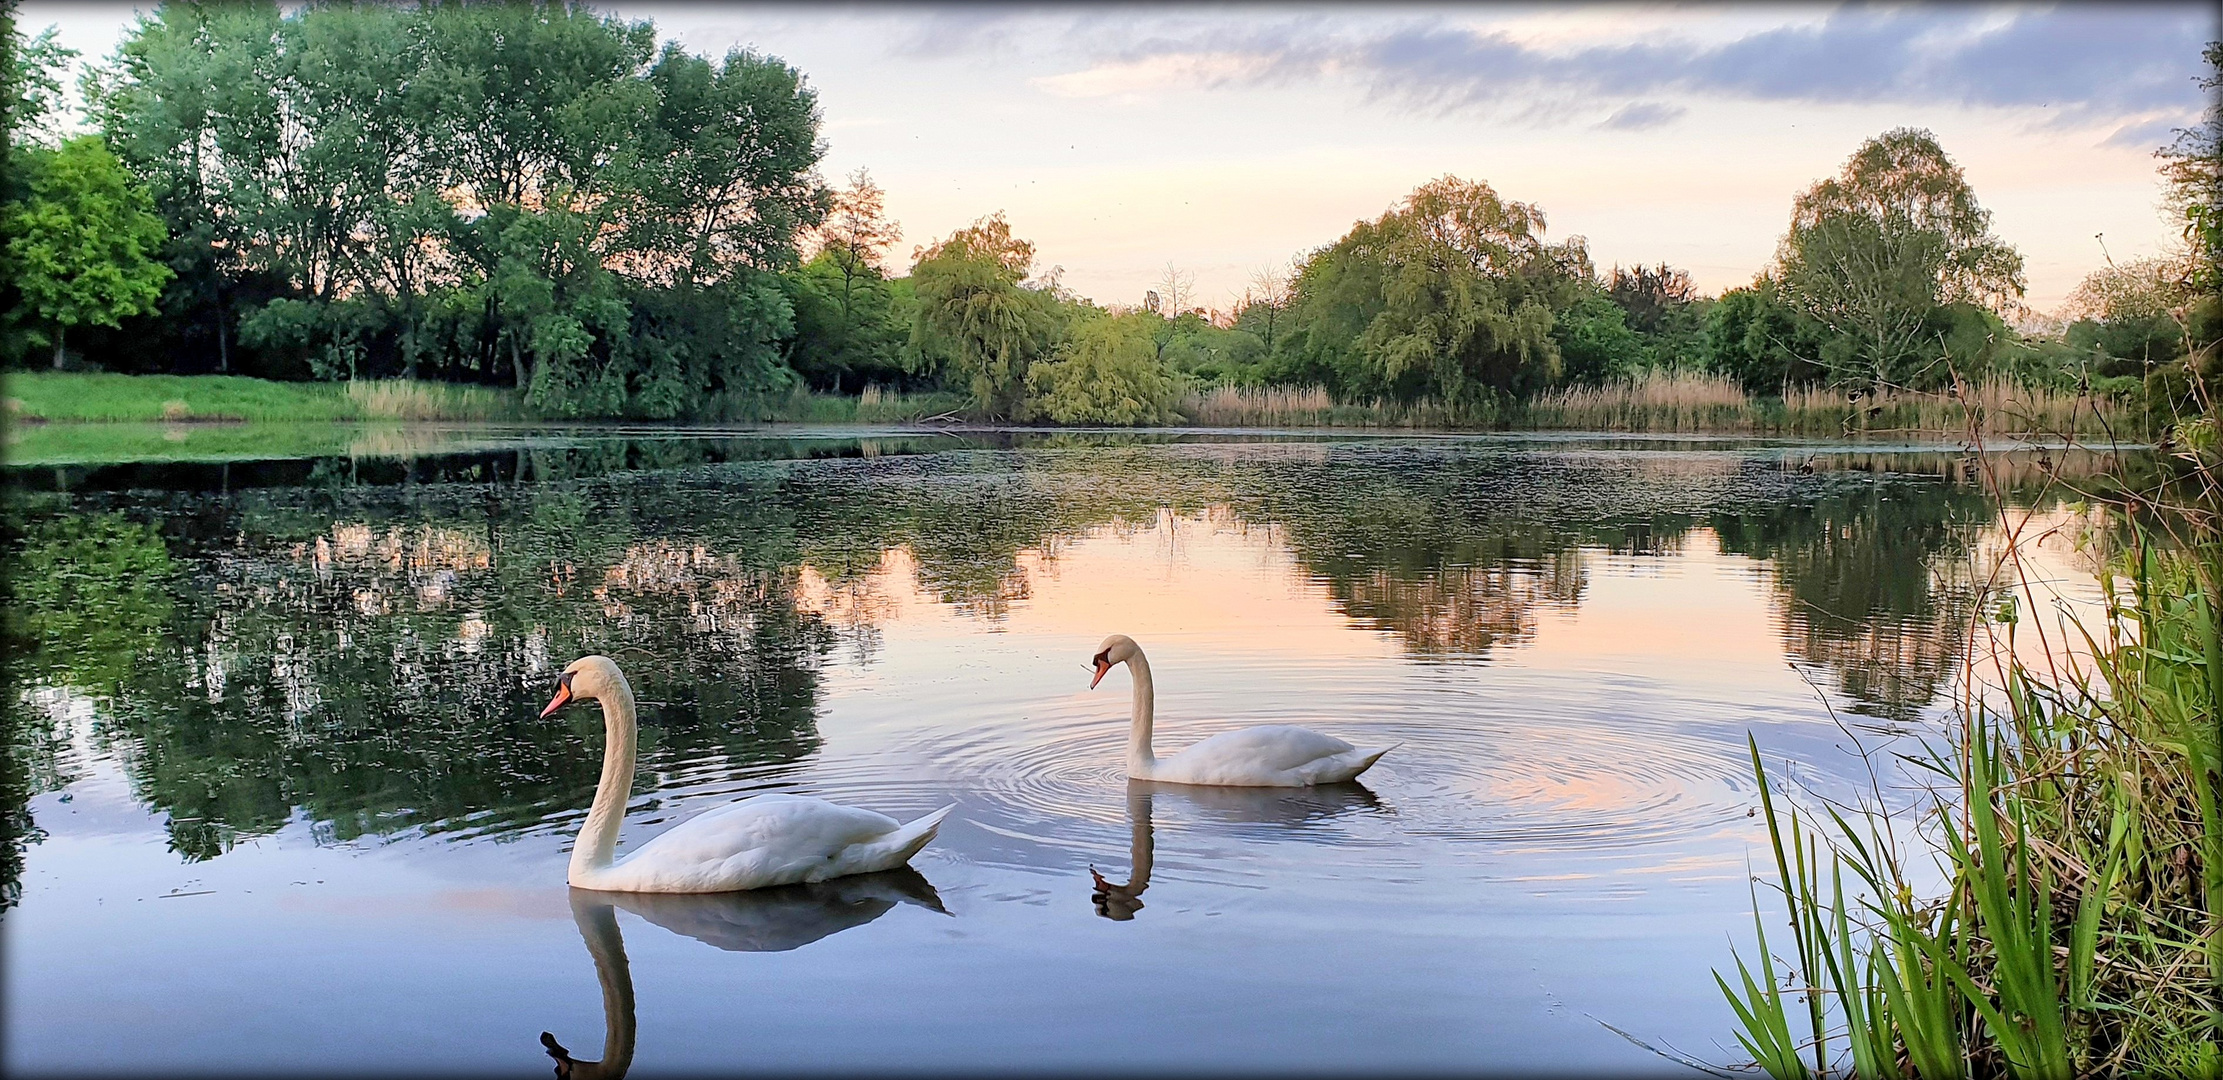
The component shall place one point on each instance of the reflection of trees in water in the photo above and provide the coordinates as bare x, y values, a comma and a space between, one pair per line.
1464, 610
1859, 589
87, 597
366, 644
384, 671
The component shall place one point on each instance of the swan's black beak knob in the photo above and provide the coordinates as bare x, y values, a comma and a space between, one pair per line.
562, 698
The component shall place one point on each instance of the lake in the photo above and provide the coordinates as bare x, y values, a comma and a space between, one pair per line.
295, 809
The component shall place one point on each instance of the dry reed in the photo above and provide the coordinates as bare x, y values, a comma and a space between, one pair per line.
408, 399
1310, 406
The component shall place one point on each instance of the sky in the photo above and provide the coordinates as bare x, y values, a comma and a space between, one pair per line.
1228, 140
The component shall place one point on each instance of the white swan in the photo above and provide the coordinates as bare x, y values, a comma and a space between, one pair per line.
759, 841
1271, 755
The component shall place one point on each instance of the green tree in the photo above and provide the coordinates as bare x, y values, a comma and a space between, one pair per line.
2125, 317
1108, 373
975, 321
31, 97
1469, 289
851, 322
1665, 310
1873, 253
1595, 342
529, 193
1755, 336
2192, 168
81, 247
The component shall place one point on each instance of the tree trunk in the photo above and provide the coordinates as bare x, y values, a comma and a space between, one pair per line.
59, 331
223, 341
517, 362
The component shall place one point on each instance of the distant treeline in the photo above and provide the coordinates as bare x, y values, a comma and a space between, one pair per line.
540, 197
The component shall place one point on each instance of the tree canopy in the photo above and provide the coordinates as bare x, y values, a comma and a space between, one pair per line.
80, 247
529, 193
1880, 254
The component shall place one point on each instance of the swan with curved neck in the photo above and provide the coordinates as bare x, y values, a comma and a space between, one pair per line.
1271, 755
763, 840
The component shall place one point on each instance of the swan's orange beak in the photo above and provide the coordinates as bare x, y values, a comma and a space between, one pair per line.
563, 698
1103, 667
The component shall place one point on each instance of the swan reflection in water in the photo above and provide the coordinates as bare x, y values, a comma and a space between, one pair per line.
1276, 808
759, 920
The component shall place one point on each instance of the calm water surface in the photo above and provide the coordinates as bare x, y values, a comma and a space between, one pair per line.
294, 809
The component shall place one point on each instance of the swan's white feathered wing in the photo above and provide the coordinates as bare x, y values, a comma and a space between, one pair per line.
1272, 755
768, 840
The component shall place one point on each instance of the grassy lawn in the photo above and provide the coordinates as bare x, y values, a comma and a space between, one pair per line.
73, 396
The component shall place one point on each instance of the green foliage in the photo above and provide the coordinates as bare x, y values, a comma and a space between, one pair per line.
1108, 373
525, 193
30, 84
80, 247
1873, 253
1665, 311
1453, 295
1595, 342
2192, 169
2081, 853
975, 323
852, 324
1754, 335
1189, 344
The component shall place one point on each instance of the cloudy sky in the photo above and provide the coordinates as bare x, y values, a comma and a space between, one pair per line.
1226, 140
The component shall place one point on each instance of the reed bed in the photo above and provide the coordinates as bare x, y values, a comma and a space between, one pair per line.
1683, 401
2077, 831
414, 400
1310, 406
1660, 401
2000, 407
1703, 401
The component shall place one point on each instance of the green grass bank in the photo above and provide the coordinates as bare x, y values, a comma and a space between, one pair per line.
101, 397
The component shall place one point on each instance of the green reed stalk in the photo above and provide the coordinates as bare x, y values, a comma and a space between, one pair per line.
2079, 933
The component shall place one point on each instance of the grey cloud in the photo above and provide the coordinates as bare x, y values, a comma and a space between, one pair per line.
1642, 115
2088, 64
2151, 135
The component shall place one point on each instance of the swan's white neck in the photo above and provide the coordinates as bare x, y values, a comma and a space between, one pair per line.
1140, 759
597, 844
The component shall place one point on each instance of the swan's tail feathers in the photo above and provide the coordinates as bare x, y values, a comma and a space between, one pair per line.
915, 834
1368, 761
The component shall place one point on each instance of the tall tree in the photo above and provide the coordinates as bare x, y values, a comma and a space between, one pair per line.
857, 234
1469, 290
975, 320
848, 328
1264, 302
1877, 253
82, 246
